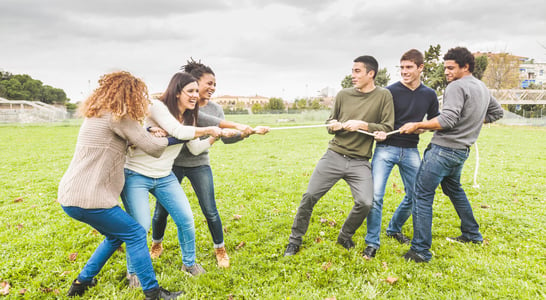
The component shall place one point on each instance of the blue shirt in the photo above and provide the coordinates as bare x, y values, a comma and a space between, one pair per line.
410, 106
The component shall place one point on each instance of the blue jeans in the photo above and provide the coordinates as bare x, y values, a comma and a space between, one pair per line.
202, 182
117, 227
169, 193
441, 165
385, 157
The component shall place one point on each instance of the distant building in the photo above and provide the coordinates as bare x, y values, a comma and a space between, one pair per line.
231, 102
533, 73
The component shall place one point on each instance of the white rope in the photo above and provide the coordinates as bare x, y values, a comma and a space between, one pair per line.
298, 127
476, 185
324, 125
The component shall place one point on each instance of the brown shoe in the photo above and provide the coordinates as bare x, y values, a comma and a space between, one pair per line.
156, 250
222, 257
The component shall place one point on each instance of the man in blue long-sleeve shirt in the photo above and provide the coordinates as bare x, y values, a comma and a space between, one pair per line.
467, 105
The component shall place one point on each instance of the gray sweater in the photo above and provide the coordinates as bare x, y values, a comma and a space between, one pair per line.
467, 105
185, 158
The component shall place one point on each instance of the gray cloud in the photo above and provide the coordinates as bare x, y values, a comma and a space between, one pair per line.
254, 46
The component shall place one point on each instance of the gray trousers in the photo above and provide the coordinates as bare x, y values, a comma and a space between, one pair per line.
330, 169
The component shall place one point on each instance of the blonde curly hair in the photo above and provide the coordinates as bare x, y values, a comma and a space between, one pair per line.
119, 93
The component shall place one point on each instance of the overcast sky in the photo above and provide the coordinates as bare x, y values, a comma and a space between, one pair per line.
283, 48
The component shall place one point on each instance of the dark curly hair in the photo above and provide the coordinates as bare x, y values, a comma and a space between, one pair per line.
461, 56
196, 68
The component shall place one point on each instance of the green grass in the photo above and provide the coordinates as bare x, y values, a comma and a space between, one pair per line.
262, 179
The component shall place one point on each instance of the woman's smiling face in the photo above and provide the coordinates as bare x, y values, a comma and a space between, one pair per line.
188, 97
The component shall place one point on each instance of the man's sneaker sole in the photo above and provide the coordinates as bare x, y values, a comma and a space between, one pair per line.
462, 240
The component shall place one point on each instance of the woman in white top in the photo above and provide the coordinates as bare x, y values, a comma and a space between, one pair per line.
145, 174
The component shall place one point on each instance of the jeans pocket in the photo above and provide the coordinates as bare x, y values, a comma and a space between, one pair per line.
129, 173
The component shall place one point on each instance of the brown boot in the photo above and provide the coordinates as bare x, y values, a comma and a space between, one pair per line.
156, 250
222, 257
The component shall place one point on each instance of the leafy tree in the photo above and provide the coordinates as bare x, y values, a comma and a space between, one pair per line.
24, 87
433, 71
315, 104
347, 82
257, 108
300, 103
275, 104
382, 78
502, 71
480, 66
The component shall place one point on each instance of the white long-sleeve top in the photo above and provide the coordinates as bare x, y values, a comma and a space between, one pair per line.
160, 116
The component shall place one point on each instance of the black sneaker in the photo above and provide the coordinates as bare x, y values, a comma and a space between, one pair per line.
369, 252
78, 288
161, 293
347, 244
461, 239
416, 257
400, 237
291, 249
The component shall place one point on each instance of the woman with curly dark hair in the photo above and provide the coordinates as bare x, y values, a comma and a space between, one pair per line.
90, 188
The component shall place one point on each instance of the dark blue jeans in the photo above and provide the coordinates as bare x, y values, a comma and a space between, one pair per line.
202, 182
440, 165
117, 227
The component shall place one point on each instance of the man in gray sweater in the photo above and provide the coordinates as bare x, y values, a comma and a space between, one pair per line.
467, 105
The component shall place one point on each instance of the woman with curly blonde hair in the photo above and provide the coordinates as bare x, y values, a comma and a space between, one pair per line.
89, 190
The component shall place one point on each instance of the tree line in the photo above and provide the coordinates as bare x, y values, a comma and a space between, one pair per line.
24, 87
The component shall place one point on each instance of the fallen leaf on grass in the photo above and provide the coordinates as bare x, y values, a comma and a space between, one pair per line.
121, 249
4, 288
384, 264
391, 280
323, 220
73, 256
65, 273
332, 223
237, 217
307, 275
50, 290
95, 232
318, 240
485, 206
230, 297
326, 266
331, 298
22, 291
241, 245
20, 226
18, 199
226, 229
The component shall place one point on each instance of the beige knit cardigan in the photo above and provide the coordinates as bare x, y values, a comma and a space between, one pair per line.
95, 178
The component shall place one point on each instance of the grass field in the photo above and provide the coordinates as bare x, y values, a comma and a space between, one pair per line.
261, 180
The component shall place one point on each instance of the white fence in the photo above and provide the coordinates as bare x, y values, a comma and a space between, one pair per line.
23, 111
